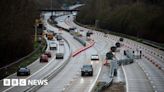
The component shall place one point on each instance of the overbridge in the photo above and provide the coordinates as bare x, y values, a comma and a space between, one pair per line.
59, 10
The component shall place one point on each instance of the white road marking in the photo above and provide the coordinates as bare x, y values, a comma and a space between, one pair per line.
127, 86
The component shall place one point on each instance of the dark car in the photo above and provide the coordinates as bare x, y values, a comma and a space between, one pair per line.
59, 37
59, 55
43, 58
48, 53
81, 30
72, 28
23, 72
117, 44
52, 32
87, 70
113, 49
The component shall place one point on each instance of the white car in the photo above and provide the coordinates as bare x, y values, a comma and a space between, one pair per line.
94, 57
61, 20
53, 45
61, 42
74, 14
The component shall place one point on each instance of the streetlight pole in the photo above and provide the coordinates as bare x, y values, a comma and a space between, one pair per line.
35, 39
96, 23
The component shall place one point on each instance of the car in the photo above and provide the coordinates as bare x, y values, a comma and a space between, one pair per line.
23, 71
87, 70
44, 28
72, 28
78, 34
81, 30
53, 45
95, 57
59, 55
48, 53
61, 42
51, 32
117, 44
59, 37
61, 20
43, 58
74, 13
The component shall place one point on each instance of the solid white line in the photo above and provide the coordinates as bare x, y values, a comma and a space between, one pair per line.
32, 74
90, 89
127, 86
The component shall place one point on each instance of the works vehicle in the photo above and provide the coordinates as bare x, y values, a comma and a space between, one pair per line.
95, 57
87, 70
50, 36
23, 72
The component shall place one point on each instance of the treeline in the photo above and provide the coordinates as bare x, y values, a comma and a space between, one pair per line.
46, 4
16, 38
142, 18
17, 19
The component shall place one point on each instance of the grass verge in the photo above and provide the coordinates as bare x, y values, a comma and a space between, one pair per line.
115, 87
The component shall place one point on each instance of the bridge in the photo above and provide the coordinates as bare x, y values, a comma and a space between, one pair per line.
60, 10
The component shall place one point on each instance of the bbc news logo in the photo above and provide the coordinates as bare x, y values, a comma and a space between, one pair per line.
23, 82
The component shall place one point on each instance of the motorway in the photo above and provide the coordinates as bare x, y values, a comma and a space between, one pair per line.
143, 76
140, 76
72, 71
